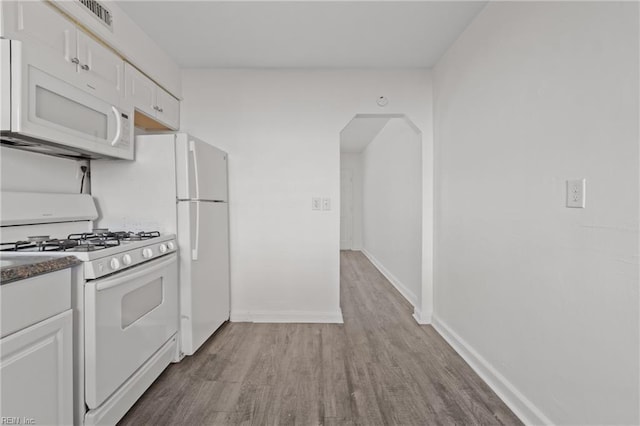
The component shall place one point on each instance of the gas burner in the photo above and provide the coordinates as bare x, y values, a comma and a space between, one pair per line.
105, 233
91, 241
86, 247
18, 246
139, 236
95, 238
121, 235
33, 243
58, 245
152, 234
38, 238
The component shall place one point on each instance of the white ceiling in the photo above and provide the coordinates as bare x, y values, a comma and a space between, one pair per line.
355, 137
303, 34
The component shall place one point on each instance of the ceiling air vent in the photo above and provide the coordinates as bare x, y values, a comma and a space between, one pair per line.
99, 11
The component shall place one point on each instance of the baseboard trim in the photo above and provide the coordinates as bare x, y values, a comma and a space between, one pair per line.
421, 318
287, 316
514, 399
404, 291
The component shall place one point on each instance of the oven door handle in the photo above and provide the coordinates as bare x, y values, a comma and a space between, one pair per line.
139, 272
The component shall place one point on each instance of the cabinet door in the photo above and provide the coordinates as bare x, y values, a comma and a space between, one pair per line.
168, 111
101, 69
38, 24
140, 92
36, 366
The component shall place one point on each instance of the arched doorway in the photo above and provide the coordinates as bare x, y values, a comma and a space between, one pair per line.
381, 198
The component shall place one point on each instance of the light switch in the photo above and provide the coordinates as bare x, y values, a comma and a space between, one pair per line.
326, 204
316, 203
576, 189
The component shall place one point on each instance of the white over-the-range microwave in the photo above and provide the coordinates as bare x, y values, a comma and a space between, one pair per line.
42, 111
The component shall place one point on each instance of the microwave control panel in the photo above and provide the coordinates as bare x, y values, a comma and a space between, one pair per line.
127, 130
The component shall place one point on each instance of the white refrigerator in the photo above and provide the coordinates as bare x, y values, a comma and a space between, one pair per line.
177, 184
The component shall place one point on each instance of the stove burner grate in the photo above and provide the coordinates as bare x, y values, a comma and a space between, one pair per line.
18, 246
98, 239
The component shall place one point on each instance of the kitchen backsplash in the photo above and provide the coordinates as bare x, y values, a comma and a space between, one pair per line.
31, 172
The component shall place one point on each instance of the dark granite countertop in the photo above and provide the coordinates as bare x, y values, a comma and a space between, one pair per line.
18, 267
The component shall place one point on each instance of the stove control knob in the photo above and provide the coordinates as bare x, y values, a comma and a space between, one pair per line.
171, 245
114, 264
147, 253
162, 248
126, 259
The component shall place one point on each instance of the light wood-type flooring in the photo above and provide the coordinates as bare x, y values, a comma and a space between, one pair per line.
378, 368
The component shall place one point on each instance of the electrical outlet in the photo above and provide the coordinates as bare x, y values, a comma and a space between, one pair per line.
326, 204
576, 189
316, 203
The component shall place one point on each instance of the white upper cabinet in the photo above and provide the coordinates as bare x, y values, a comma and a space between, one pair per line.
52, 23
69, 53
128, 39
102, 70
168, 111
147, 97
40, 23
140, 91
66, 51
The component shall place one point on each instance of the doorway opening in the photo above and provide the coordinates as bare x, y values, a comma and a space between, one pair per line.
381, 197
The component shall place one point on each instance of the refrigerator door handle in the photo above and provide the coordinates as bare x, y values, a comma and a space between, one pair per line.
192, 149
194, 251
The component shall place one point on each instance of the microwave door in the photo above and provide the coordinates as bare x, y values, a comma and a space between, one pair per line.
46, 108
54, 105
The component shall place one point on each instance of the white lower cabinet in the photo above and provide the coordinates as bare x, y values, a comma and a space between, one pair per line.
36, 373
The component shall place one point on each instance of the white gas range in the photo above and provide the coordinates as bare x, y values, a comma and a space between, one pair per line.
102, 251
124, 296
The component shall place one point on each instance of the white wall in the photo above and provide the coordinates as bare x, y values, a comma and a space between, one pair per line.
542, 299
353, 163
392, 206
281, 130
23, 171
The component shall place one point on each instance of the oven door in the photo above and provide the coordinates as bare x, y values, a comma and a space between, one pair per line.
128, 317
47, 105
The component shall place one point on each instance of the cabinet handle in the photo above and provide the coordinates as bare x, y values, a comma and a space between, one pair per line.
160, 109
75, 61
85, 67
